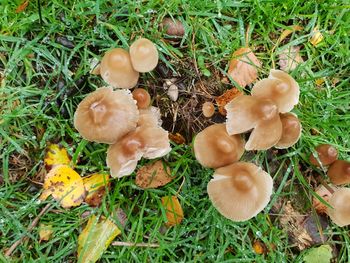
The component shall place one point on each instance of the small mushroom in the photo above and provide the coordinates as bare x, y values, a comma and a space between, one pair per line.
214, 148
142, 97
247, 112
240, 191
116, 69
173, 27
105, 115
279, 87
291, 130
326, 154
144, 55
340, 211
339, 172
208, 109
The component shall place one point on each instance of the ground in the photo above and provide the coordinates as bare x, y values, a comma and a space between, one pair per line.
45, 74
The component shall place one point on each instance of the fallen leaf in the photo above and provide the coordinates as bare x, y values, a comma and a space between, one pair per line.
177, 138
45, 232
321, 254
316, 37
325, 194
153, 175
56, 155
95, 239
173, 210
287, 32
95, 186
225, 98
289, 58
121, 216
243, 67
259, 247
22, 6
319, 81
65, 185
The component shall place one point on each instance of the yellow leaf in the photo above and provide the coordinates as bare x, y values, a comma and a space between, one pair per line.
259, 247
173, 210
287, 32
153, 175
45, 232
95, 187
65, 185
319, 81
56, 155
316, 37
243, 67
95, 239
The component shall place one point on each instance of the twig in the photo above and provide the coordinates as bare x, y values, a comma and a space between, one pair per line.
30, 228
130, 244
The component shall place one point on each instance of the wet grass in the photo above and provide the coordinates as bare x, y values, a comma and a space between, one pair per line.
46, 77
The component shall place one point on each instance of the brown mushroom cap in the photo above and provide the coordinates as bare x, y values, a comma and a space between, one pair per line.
173, 27
326, 154
339, 172
291, 130
240, 191
105, 115
144, 55
142, 98
116, 69
208, 109
279, 87
214, 148
340, 213
247, 112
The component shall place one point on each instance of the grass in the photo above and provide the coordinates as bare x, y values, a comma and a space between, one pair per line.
45, 81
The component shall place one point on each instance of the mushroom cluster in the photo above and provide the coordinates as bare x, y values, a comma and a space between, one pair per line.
124, 120
338, 173
240, 190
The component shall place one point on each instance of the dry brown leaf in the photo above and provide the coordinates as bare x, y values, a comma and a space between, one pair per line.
225, 98
290, 58
173, 210
153, 175
45, 232
95, 186
22, 6
287, 32
177, 138
243, 67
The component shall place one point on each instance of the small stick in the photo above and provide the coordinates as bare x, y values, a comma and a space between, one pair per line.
30, 228
130, 244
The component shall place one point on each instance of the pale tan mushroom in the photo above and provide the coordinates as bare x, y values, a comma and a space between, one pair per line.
339, 172
247, 112
149, 117
208, 109
240, 191
116, 69
142, 98
291, 130
279, 87
144, 55
105, 115
326, 154
214, 148
340, 211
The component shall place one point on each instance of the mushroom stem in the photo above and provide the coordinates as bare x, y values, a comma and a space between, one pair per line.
324, 183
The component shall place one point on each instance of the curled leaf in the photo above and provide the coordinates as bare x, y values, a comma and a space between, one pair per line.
45, 232
65, 185
56, 155
95, 239
173, 210
95, 186
316, 37
153, 175
243, 67
287, 32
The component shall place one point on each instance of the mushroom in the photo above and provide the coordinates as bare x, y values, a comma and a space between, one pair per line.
105, 115
149, 117
240, 191
291, 130
339, 172
326, 155
248, 112
173, 27
279, 87
340, 211
144, 55
214, 148
208, 109
142, 97
148, 142
116, 69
